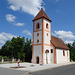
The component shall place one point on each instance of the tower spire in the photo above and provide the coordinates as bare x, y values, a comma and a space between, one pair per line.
41, 14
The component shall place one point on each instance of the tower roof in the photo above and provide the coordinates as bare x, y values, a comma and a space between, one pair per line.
41, 14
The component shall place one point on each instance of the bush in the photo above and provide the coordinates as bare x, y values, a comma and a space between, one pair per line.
0, 57
5, 57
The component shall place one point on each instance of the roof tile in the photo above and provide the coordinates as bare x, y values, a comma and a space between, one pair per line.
41, 14
58, 43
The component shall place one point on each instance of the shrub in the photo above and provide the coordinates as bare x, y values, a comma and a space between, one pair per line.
0, 57
5, 57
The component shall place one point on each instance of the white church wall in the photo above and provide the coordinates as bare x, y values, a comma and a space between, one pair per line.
49, 24
51, 55
38, 21
48, 56
59, 56
37, 52
68, 56
38, 37
47, 38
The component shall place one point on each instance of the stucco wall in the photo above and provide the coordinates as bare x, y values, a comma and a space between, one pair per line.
68, 56
37, 52
59, 56
48, 55
46, 38
38, 37
40, 22
46, 21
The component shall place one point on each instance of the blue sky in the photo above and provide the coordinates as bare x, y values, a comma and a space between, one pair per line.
16, 18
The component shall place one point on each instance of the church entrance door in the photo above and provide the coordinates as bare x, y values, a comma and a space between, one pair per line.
47, 51
37, 60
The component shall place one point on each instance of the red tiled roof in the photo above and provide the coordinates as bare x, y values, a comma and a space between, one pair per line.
41, 14
58, 43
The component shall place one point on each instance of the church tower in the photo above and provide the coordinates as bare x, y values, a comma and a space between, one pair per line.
41, 38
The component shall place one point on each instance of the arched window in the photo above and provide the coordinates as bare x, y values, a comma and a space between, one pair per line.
37, 26
47, 25
47, 51
63, 53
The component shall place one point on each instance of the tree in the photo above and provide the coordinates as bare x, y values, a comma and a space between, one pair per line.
5, 49
28, 50
17, 48
72, 50
17, 45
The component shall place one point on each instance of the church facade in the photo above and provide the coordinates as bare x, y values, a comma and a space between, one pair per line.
47, 48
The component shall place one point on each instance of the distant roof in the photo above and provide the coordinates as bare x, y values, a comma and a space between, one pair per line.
41, 14
58, 43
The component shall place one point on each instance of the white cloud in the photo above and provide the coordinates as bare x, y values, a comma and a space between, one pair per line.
67, 36
2, 41
67, 41
27, 32
5, 36
10, 18
19, 24
28, 6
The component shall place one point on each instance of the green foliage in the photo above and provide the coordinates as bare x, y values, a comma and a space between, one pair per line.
17, 48
72, 50
5, 57
0, 57
28, 50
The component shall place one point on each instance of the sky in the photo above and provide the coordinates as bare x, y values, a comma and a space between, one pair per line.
16, 18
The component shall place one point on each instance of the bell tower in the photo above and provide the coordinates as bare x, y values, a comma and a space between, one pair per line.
41, 38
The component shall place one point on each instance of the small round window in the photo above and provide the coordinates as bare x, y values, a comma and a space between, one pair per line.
37, 34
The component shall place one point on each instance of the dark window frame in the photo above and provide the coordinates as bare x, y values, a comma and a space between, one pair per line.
37, 34
38, 41
47, 25
63, 52
51, 50
37, 25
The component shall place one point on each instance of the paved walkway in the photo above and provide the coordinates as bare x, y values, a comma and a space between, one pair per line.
36, 67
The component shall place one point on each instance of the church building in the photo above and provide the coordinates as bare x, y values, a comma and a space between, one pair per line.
47, 48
